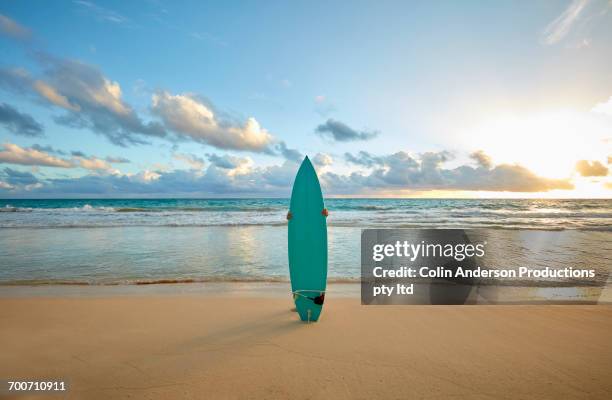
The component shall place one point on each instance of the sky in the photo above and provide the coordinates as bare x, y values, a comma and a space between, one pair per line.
224, 99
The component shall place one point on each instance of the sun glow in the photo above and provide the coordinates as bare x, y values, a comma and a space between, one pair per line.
549, 144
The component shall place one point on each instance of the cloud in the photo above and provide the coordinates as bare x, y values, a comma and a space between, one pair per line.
339, 131
18, 178
94, 164
49, 93
101, 13
225, 161
19, 123
13, 154
289, 154
482, 159
91, 100
16, 80
233, 165
5, 186
322, 160
13, 29
77, 153
194, 161
604, 107
47, 149
41, 156
401, 171
591, 168
227, 175
243, 180
561, 26
117, 160
577, 22
364, 159
190, 117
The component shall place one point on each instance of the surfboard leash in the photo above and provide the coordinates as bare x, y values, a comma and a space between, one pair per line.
318, 300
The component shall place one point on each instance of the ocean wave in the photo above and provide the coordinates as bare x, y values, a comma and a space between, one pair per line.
339, 224
593, 215
89, 208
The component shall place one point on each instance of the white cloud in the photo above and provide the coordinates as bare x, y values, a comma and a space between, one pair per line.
561, 26
101, 13
604, 107
147, 176
190, 117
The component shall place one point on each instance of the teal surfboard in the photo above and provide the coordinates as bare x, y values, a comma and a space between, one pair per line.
307, 243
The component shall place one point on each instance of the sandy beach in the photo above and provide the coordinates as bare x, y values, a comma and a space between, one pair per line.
160, 344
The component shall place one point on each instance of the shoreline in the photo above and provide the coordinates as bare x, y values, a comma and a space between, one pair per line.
227, 289
487, 295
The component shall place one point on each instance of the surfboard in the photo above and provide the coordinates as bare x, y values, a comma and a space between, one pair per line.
307, 243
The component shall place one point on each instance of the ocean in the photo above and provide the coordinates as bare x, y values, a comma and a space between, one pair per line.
137, 241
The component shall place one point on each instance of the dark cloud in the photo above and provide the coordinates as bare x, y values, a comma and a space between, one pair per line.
363, 158
89, 99
340, 132
47, 149
117, 160
17, 178
19, 123
77, 153
225, 161
95, 102
591, 168
289, 154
